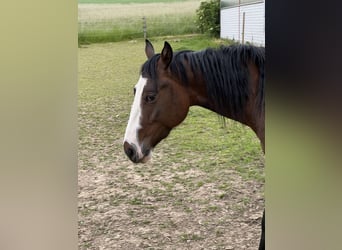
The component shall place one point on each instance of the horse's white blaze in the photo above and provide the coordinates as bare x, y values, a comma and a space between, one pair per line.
131, 134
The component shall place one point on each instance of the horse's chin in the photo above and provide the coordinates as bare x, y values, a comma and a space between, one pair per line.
146, 158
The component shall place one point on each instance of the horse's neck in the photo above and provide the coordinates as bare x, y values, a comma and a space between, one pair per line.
251, 117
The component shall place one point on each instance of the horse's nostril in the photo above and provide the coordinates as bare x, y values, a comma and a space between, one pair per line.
131, 152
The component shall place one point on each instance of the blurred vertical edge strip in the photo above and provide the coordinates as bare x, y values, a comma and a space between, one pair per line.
303, 125
38, 129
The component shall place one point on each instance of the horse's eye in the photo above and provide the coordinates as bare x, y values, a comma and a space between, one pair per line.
150, 98
134, 90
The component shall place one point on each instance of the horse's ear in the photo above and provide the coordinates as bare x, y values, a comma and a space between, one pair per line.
149, 50
166, 54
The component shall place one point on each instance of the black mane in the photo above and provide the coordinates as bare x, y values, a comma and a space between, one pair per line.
225, 72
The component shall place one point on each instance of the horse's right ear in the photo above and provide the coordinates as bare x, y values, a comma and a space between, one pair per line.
149, 50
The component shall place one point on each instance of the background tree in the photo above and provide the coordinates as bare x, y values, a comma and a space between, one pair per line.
208, 17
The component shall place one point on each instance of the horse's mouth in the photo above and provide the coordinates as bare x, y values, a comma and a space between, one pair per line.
147, 156
145, 159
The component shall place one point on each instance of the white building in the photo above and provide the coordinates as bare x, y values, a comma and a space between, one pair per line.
232, 12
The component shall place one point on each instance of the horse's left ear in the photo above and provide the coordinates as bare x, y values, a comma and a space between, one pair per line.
149, 50
166, 55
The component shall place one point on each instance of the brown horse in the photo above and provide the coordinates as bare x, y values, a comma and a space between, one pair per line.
228, 81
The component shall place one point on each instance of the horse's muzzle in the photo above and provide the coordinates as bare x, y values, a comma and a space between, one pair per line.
131, 151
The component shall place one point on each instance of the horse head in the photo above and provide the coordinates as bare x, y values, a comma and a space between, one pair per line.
160, 103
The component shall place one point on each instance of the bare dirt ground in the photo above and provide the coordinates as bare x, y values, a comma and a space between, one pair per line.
128, 207
193, 195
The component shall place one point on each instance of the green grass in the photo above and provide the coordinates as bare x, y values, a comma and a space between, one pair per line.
202, 130
128, 1
201, 133
99, 24
131, 28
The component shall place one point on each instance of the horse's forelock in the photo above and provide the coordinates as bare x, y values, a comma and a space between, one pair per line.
149, 68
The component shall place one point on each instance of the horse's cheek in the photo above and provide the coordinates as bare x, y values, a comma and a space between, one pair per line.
180, 111
155, 114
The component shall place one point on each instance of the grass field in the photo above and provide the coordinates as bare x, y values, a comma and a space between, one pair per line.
129, 1
117, 22
203, 188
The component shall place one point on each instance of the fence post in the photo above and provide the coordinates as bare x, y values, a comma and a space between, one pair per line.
239, 20
243, 28
144, 27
